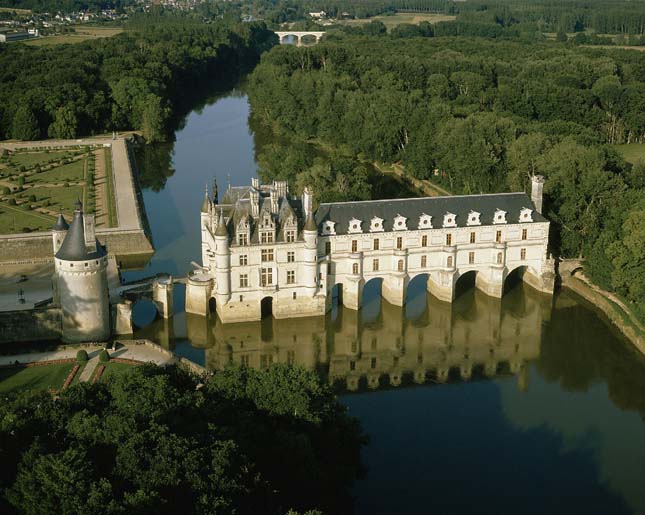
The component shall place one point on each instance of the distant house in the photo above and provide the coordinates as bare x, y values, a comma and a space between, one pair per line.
318, 15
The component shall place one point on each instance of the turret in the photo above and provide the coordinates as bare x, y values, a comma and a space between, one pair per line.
81, 279
537, 186
59, 231
222, 262
310, 265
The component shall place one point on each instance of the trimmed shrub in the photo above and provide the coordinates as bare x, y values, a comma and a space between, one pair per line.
104, 356
81, 356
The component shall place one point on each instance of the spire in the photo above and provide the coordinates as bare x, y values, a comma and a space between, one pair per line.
74, 247
221, 225
215, 193
206, 205
310, 223
61, 224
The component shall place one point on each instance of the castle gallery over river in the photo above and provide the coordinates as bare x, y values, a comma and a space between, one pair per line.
265, 251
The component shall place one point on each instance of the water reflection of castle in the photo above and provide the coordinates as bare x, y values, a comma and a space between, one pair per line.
475, 336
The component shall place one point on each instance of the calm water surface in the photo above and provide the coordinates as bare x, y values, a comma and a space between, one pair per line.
525, 405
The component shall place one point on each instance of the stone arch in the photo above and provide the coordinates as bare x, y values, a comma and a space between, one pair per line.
514, 277
464, 282
289, 39
212, 306
308, 39
416, 296
144, 312
266, 307
371, 298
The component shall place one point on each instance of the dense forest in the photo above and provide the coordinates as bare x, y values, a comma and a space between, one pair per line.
131, 81
153, 441
474, 115
66, 5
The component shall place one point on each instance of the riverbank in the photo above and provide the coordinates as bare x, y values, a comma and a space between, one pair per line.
611, 307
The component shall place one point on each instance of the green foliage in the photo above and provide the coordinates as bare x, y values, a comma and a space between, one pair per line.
104, 356
81, 356
25, 124
5, 190
65, 124
150, 441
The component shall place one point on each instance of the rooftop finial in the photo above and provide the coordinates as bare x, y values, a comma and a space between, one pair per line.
221, 225
228, 181
206, 205
78, 206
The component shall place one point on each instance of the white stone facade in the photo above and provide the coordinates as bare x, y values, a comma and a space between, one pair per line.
262, 248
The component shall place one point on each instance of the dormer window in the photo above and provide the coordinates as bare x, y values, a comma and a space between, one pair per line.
450, 220
400, 223
354, 226
376, 224
526, 215
425, 221
329, 227
499, 217
473, 218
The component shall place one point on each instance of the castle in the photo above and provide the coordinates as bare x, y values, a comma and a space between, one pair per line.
80, 279
267, 252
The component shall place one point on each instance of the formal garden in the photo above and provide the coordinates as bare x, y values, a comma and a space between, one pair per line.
38, 184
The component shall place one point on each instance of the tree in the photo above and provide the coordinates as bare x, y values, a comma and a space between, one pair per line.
628, 258
523, 155
154, 119
561, 36
25, 125
65, 124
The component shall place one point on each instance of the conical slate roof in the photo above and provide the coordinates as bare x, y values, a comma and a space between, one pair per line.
61, 224
207, 202
310, 223
221, 226
73, 247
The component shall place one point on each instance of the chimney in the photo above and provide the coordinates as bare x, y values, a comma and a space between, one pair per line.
255, 182
274, 201
90, 232
307, 200
255, 203
537, 185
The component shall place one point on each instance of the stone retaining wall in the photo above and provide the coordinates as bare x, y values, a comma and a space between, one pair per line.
30, 325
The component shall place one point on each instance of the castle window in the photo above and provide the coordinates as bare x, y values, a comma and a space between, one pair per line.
449, 220
71, 265
291, 257
450, 261
329, 269
399, 265
499, 217
424, 240
373, 363
522, 253
400, 223
267, 276
375, 265
86, 265
290, 236
354, 245
448, 239
498, 236
243, 239
241, 298
424, 261
244, 280
524, 234
352, 365
294, 295
471, 258
399, 243
327, 248
377, 244
97, 262
355, 268
472, 237
244, 260
473, 218
500, 257
266, 237
291, 277
267, 255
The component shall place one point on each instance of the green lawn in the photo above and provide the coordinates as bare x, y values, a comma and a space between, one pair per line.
60, 199
28, 159
115, 369
15, 220
632, 152
15, 379
69, 172
399, 18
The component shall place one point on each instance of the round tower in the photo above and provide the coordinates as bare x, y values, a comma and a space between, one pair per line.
81, 276
222, 263
310, 262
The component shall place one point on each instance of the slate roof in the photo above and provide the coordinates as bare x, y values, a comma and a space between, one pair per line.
74, 247
437, 207
61, 224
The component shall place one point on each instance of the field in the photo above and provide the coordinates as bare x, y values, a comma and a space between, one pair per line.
36, 185
399, 18
83, 33
632, 152
13, 9
14, 379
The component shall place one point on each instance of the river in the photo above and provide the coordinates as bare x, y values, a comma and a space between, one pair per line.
530, 404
